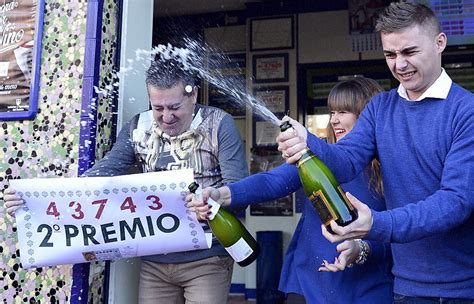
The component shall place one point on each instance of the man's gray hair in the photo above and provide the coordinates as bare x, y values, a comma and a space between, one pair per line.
167, 73
402, 15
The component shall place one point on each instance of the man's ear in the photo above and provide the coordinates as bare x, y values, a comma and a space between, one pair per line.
194, 94
441, 41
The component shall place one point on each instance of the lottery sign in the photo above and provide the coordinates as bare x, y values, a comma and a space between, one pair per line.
76, 220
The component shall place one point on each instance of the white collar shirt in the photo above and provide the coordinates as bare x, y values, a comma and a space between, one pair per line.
439, 89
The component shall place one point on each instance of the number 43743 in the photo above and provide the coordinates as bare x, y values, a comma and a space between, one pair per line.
78, 213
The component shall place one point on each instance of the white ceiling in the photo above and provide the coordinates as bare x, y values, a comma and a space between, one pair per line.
191, 7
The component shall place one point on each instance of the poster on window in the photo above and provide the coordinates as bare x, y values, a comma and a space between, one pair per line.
20, 45
77, 220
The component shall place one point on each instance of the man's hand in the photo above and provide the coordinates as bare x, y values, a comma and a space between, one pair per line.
357, 229
293, 141
202, 207
12, 201
349, 251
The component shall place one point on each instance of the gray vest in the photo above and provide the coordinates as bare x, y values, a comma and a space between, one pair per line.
197, 149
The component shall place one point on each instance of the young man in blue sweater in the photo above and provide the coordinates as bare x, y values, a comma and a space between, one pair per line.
423, 135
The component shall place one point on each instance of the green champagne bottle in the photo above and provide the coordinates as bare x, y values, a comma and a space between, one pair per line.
322, 189
230, 232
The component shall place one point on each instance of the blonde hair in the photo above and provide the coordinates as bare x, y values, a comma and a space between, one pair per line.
352, 96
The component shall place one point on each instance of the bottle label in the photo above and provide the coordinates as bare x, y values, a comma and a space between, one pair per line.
240, 250
348, 203
305, 159
215, 206
321, 204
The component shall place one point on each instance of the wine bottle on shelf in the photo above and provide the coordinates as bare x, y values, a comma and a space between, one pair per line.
229, 231
322, 188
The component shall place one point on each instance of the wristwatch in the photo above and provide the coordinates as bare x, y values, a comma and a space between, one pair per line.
363, 252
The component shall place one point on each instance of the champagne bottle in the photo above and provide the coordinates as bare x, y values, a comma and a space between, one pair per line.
322, 189
230, 232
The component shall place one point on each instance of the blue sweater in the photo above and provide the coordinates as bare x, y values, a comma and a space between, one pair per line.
426, 150
367, 283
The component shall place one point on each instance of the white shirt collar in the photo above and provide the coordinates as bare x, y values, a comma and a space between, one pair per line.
439, 89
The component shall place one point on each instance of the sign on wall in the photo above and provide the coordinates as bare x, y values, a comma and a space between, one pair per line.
230, 69
21, 23
263, 160
362, 18
77, 220
272, 33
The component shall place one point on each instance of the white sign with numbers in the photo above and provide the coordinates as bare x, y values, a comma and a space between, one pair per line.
77, 220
